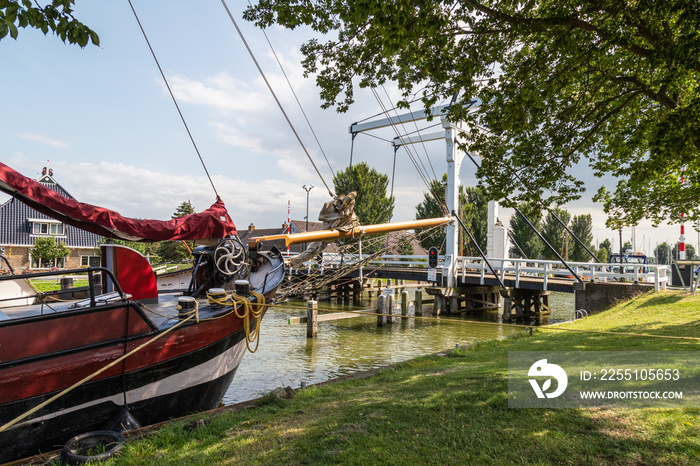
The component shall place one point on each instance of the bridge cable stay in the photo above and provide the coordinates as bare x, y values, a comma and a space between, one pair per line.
481, 253
561, 259
279, 104
425, 149
556, 217
415, 158
571, 233
421, 172
520, 250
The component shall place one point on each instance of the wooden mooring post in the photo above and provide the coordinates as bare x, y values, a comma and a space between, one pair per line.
418, 303
312, 319
404, 303
390, 308
381, 304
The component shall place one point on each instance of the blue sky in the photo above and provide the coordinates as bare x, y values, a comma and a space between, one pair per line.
103, 120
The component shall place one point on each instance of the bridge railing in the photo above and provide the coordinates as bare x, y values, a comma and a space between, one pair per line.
520, 268
546, 269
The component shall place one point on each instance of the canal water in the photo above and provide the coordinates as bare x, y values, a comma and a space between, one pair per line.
286, 357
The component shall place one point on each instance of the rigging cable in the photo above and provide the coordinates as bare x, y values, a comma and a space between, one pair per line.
422, 175
295, 97
262, 73
174, 100
401, 138
415, 124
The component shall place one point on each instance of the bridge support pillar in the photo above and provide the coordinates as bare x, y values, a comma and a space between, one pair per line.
357, 293
475, 298
525, 303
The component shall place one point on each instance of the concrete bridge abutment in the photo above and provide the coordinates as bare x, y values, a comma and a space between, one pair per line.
599, 296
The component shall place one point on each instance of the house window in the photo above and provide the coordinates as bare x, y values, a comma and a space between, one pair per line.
39, 263
90, 261
47, 228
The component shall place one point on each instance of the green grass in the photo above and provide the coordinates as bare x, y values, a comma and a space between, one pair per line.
55, 285
454, 410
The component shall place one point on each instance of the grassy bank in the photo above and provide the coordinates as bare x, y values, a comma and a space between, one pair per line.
454, 410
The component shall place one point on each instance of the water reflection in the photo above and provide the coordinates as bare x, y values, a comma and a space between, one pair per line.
286, 357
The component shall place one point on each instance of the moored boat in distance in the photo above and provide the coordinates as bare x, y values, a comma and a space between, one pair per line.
72, 364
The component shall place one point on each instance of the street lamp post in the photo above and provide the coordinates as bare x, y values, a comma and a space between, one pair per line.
307, 189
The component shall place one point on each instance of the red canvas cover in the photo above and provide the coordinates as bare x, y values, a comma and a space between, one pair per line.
212, 223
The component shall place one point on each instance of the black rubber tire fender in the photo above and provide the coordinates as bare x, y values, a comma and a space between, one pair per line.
76, 449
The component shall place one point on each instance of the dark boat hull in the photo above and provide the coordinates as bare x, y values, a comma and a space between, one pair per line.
52, 430
194, 381
183, 370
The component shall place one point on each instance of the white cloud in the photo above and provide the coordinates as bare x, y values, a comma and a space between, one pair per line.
43, 139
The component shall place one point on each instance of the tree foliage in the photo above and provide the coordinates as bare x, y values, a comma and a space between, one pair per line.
171, 251
582, 227
661, 252
604, 250
689, 251
372, 205
56, 16
610, 83
555, 234
473, 208
525, 237
429, 207
48, 249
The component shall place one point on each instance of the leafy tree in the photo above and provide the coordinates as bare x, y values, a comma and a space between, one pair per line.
48, 250
604, 250
582, 227
689, 251
613, 84
474, 208
431, 208
371, 204
176, 250
603, 255
523, 235
555, 234
56, 16
661, 252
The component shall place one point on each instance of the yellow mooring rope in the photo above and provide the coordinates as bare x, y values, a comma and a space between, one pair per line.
247, 311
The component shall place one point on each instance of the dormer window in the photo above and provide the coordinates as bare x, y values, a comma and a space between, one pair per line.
43, 227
